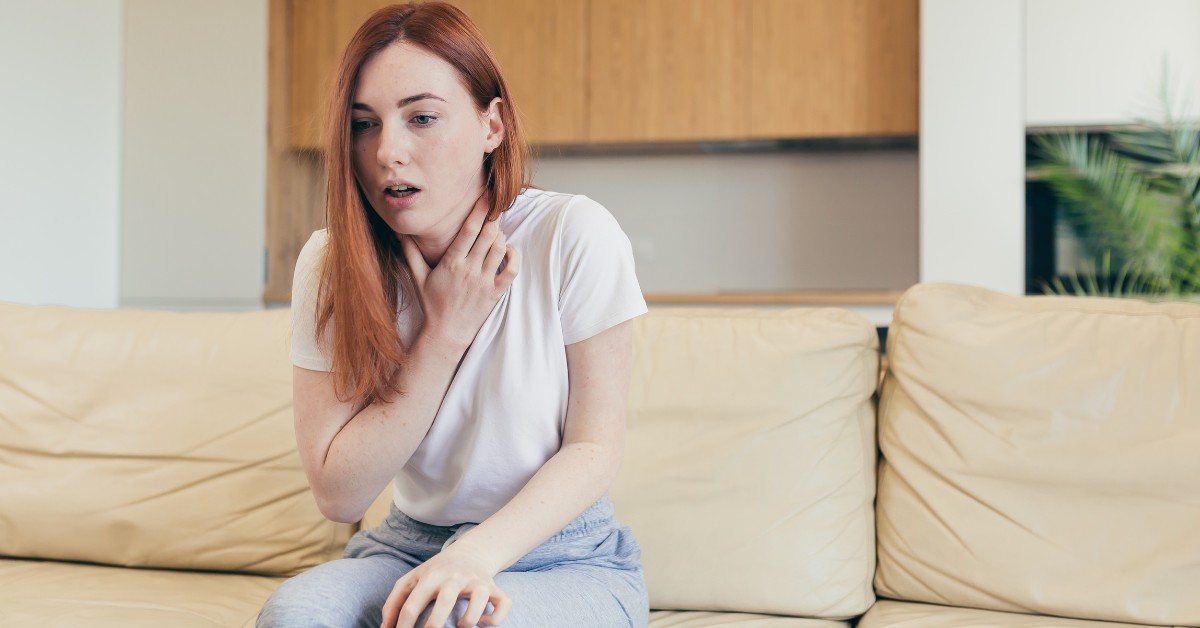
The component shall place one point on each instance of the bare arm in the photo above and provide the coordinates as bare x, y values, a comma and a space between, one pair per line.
349, 455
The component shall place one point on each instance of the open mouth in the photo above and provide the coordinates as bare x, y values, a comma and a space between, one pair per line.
400, 191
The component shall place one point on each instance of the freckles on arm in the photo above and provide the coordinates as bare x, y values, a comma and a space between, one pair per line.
599, 370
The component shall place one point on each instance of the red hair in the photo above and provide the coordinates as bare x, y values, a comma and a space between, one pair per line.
365, 279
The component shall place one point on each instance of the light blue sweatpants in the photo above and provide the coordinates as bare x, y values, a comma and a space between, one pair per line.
588, 574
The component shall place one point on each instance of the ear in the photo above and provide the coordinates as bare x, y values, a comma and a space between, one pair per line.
494, 124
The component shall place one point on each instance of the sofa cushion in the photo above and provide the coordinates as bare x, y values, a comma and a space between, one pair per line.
1040, 455
154, 439
748, 475
48, 593
893, 614
688, 619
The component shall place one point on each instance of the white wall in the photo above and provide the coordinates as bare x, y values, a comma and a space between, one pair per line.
777, 221
1100, 61
194, 148
972, 155
60, 68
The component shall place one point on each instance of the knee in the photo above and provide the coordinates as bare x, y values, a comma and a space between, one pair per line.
293, 605
456, 614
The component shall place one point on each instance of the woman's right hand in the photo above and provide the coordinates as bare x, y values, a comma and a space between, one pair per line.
458, 294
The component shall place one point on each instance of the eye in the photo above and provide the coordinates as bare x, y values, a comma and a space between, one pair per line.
424, 119
360, 125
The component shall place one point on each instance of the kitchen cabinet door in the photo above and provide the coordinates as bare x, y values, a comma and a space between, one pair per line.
320, 31
541, 48
667, 70
540, 45
833, 68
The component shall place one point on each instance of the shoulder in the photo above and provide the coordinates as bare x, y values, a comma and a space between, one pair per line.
314, 247
568, 215
308, 351
308, 264
582, 221
535, 206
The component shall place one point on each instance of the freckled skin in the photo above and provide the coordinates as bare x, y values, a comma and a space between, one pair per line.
436, 144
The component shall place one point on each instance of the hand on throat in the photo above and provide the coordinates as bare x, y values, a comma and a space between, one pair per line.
434, 244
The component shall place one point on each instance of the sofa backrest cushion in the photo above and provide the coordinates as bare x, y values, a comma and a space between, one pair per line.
154, 439
1042, 454
748, 475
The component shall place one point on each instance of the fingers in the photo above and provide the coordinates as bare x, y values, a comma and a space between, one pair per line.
408, 600
475, 608
420, 597
442, 607
487, 237
495, 254
391, 607
416, 261
471, 227
506, 276
484, 203
501, 604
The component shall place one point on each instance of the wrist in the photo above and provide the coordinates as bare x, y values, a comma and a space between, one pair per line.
443, 340
479, 554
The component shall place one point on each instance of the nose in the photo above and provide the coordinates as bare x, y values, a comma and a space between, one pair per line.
393, 146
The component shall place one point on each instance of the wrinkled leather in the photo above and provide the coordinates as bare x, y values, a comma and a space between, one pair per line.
52, 593
748, 467
1042, 455
689, 619
746, 428
154, 439
893, 614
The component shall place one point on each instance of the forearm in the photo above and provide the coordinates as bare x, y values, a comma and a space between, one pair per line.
569, 482
370, 449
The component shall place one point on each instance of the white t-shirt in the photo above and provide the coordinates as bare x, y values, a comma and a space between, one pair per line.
503, 415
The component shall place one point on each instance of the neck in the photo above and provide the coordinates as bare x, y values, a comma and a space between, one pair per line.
434, 244
433, 248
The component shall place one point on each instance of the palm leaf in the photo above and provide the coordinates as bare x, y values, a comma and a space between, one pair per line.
1135, 195
1106, 198
1127, 282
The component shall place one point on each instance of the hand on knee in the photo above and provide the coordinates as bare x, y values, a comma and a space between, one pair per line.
456, 615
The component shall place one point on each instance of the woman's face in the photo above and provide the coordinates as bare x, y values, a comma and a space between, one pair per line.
418, 141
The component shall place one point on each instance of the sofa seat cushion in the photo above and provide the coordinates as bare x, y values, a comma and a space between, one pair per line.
749, 467
893, 614
1040, 455
50, 593
692, 619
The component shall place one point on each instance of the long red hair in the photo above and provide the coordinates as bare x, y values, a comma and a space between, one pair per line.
365, 279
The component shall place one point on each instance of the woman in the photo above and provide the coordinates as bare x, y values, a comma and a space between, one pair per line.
466, 338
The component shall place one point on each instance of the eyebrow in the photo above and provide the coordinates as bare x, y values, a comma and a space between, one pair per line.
403, 101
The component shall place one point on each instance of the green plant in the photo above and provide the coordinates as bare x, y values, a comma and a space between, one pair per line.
1132, 196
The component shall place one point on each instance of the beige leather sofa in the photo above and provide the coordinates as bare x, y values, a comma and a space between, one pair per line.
1034, 462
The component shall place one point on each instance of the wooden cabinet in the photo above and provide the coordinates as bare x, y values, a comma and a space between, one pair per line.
541, 48
539, 44
833, 68
625, 71
668, 70
751, 69
614, 71
320, 30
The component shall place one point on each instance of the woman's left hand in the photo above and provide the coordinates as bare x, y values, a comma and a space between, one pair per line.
454, 572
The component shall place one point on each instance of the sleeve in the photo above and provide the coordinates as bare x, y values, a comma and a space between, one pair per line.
306, 352
598, 286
